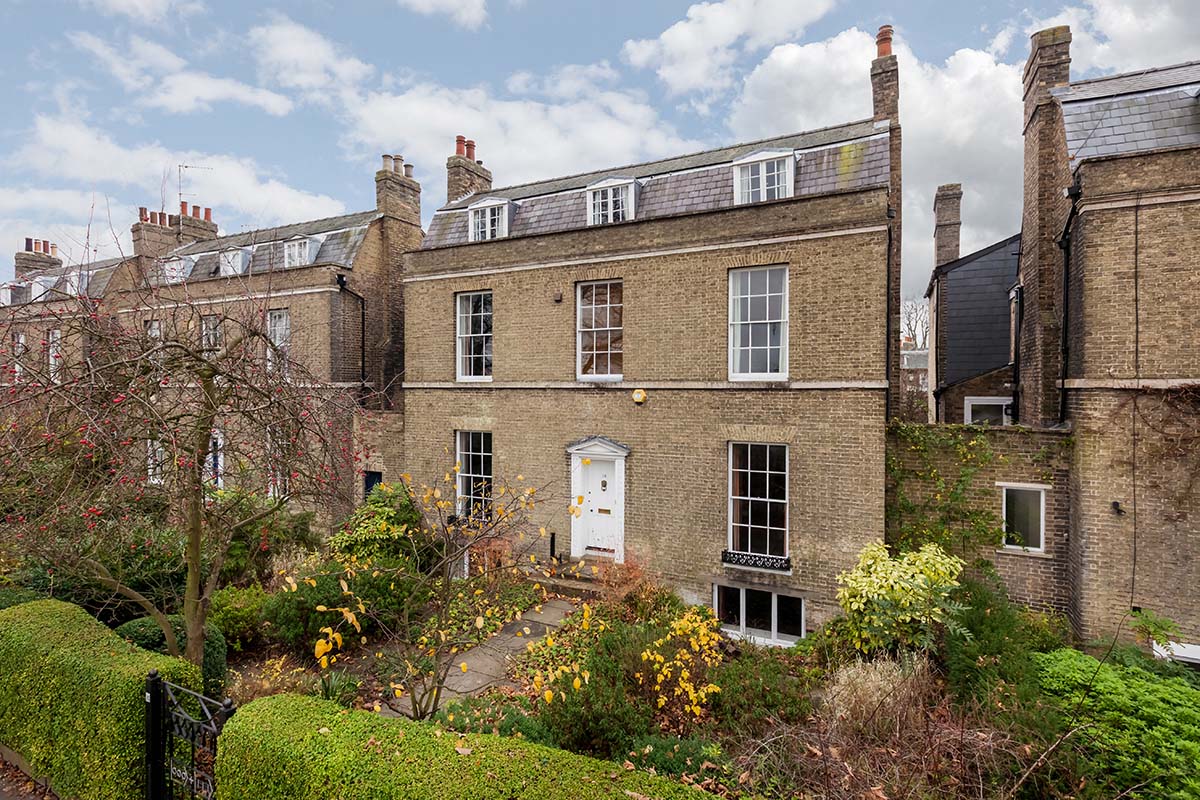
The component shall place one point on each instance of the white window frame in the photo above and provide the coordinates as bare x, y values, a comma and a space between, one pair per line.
494, 214
462, 474
296, 253
757, 162
602, 193
54, 354
211, 336
214, 459
460, 337
787, 503
580, 331
282, 343
782, 375
19, 351
969, 404
1041, 488
156, 462
231, 263
740, 632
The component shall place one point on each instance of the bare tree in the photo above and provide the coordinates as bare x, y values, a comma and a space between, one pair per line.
914, 321
155, 406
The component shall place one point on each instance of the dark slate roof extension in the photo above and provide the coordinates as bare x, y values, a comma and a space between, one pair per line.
851, 156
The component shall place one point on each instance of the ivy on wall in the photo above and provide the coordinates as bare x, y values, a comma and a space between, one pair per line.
931, 474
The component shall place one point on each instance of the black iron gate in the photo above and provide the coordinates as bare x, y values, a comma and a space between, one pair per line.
182, 727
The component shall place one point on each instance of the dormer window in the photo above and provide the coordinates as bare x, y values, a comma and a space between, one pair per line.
611, 200
763, 175
175, 270
231, 262
295, 253
489, 219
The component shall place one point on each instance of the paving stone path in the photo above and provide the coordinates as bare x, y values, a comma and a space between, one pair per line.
487, 663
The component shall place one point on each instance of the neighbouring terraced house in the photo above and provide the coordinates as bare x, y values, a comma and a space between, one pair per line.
1084, 327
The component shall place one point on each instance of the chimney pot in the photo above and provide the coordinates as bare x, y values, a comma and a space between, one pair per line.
408, 170
883, 41
397, 163
208, 215
54, 250
28, 244
387, 163
143, 214
153, 217
460, 145
37, 245
196, 212
182, 208
471, 149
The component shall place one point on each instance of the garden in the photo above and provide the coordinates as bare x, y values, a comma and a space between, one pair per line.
929, 683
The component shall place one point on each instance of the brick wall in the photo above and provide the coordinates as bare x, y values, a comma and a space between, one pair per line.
1021, 456
997, 383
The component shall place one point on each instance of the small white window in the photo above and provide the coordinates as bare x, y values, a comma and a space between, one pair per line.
489, 221
18, 354
766, 176
54, 355
231, 262
214, 461
474, 462
600, 330
295, 253
474, 336
758, 323
211, 335
156, 462
1024, 511
758, 505
176, 270
608, 204
279, 332
761, 616
987, 411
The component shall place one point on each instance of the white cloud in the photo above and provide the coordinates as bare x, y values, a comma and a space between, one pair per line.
697, 54
160, 79
466, 13
145, 10
571, 80
961, 121
67, 149
77, 221
1120, 35
295, 57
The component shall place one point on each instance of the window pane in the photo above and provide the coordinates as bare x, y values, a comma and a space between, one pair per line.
758, 613
987, 414
1023, 517
729, 606
789, 617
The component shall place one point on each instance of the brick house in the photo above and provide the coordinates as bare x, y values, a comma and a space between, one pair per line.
1103, 339
695, 352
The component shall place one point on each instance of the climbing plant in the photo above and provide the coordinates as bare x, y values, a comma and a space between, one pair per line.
931, 472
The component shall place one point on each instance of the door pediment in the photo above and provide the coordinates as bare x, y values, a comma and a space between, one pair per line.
598, 447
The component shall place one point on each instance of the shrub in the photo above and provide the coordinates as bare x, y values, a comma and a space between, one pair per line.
676, 666
761, 687
609, 711
337, 686
1128, 655
71, 700
387, 525
301, 748
294, 616
16, 595
504, 715
876, 701
670, 755
1142, 731
146, 634
252, 547
899, 603
238, 612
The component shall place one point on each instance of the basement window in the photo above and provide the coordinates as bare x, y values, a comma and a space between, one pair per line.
760, 616
764, 175
1023, 507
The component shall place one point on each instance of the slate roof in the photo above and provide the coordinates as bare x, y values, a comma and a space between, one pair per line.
280, 233
92, 279
845, 157
973, 310
1134, 112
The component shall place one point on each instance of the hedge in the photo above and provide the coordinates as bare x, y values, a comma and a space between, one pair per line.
146, 633
16, 595
289, 747
1140, 729
71, 699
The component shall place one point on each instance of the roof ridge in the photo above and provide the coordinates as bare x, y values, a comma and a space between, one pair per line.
942, 269
677, 157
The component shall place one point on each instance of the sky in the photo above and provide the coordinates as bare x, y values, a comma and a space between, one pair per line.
280, 110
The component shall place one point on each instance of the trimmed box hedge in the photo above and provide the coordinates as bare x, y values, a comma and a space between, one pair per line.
289, 747
72, 699
1142, 730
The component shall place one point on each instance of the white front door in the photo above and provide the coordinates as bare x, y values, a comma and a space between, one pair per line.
599, 507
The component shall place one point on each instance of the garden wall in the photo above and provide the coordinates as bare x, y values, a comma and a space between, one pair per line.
943, 484
72, 699
289, 747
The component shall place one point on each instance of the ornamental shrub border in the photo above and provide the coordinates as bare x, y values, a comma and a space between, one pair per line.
289, 747
146, 633
72, 699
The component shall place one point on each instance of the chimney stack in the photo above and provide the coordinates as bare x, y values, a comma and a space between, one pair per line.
157, 233
947, 223
396, 193
465, 175
38, 255
885, 78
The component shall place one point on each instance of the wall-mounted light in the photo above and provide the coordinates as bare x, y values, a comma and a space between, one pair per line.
558, 297
1116, 507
